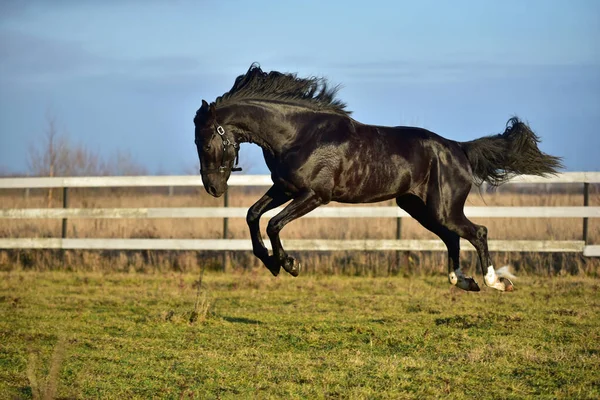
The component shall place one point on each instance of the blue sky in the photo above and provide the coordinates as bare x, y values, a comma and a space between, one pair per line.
129, 75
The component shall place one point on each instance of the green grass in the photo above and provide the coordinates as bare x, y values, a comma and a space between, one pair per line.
130, 336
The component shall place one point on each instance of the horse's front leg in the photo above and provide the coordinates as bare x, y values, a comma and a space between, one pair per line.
300, 206
273, 198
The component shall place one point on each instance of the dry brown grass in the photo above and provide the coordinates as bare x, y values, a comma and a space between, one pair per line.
345, 228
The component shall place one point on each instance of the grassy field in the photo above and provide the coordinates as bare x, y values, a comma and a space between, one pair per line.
92, 335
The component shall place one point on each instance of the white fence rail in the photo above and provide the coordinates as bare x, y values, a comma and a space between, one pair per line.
66, 213
234, 180
564, 246
323, 212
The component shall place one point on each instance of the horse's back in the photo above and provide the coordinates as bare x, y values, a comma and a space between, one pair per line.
412, 143
390, 161
346, 161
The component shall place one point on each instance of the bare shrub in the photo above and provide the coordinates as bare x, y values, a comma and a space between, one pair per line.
56, 155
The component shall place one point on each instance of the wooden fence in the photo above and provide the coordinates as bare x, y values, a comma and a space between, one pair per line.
65, 213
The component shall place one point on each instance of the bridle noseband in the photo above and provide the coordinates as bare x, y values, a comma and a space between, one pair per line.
226, 143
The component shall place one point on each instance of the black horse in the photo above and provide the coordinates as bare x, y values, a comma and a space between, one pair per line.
317, 153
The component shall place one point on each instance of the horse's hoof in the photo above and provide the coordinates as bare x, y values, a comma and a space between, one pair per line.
464, 283
508, 285
292, 266
295, 271
460, 281
273, 266
471, 285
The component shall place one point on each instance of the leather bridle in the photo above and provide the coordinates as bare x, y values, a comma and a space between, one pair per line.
226, 143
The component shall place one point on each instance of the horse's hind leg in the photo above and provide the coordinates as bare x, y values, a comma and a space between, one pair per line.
419, 211
477, 235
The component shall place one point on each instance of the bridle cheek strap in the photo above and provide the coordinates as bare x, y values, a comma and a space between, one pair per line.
226, 143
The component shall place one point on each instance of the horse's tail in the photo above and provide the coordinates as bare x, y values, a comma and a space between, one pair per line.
496, 159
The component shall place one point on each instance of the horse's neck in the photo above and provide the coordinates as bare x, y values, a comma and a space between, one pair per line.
263, 124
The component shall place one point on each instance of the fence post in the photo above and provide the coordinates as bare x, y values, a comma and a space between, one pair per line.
65, 205
398, 253
586, 203
225, 231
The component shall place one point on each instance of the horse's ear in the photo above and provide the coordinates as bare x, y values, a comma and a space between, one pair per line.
212, 110
204, 105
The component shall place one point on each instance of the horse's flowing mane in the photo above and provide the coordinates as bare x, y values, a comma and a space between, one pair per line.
255, 84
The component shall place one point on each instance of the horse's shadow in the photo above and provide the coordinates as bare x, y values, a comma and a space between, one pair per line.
242, 320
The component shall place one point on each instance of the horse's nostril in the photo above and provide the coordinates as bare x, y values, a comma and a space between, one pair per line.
212, 190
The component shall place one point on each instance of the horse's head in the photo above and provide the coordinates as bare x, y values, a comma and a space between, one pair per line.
217, 150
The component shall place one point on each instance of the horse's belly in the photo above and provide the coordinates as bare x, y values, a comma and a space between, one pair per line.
371, 183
